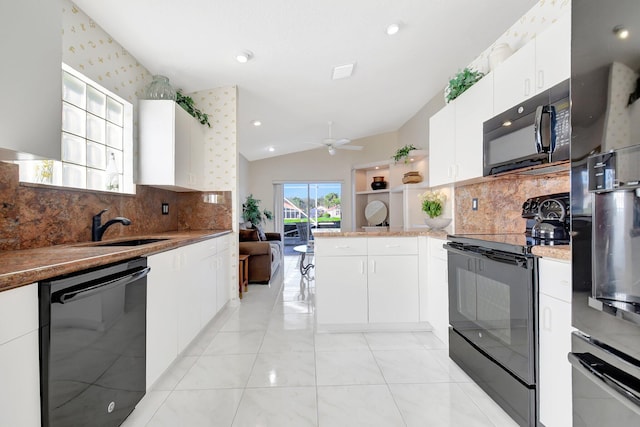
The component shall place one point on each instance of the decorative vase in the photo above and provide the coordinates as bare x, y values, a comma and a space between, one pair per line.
378, 183
437, 223
159, 88
498, 54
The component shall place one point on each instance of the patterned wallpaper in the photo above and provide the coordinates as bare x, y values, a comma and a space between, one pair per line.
618, 127
536, 20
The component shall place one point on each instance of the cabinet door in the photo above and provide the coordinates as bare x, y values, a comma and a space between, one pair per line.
224, 278
555, 370
393, 289
438, 291
472, 108
553, 54
514, 78
197, 152
20, 382
163, 282
442, 137
30, 79
341, 289
189, 294
184, 177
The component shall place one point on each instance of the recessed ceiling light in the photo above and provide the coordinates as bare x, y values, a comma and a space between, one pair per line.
271, 149
621, 32
256, 123
393, 29
244, 56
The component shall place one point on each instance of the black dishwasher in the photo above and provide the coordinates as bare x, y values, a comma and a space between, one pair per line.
93, 345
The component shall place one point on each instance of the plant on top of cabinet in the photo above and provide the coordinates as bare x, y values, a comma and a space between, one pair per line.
462, 81
189, 106
403, 153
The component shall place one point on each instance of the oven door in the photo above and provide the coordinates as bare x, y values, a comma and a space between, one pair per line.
492, 303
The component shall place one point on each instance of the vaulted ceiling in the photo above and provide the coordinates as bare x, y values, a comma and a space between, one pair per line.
287, 84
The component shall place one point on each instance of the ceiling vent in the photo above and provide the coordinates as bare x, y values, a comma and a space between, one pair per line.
343, 71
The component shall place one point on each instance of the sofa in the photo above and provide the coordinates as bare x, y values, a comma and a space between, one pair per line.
265, 255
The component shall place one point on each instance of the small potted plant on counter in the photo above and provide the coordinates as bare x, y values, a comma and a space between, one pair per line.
433, 206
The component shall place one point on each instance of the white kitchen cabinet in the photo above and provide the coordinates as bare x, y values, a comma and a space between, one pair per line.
455, 135
20, 379
163, 284
367, 281
223, 272
540, 64
437, 313
19, 360
171, 147
30, 79
206, 274
472, 108
555, 343
393, 280
341, 281
442, 140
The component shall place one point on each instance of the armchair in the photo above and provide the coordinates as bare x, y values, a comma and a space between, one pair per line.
265, 256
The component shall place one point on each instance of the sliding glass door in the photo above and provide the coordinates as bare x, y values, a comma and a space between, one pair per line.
308, 206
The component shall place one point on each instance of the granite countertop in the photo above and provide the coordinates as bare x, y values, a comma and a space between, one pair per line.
23, 267
392, 232
561, 252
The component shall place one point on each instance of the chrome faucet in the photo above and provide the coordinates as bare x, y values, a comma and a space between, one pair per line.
98, 230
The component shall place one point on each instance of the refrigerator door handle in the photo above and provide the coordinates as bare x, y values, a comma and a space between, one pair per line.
610, 378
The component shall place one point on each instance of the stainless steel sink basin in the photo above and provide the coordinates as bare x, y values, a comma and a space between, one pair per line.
134, 242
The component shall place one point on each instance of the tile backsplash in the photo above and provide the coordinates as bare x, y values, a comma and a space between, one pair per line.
33, 216
500, 202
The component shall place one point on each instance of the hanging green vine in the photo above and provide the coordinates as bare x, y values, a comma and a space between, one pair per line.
189, 105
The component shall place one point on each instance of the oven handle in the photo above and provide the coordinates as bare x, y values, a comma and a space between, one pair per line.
502, 257
92, 288
607, 376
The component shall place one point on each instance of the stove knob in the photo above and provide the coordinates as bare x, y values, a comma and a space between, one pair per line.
526, 205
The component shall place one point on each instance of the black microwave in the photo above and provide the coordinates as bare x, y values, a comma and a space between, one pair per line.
534, 132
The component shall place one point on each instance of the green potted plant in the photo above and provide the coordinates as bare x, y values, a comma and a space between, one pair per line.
433, 205
403, 153
189, 106
462, 81
251, 211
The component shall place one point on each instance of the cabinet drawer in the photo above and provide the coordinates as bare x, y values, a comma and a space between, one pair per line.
339, 246
555, 279
436, 250
392, 245
18, 312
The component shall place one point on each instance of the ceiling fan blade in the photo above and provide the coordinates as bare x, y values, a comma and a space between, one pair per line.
350, 147
341, 141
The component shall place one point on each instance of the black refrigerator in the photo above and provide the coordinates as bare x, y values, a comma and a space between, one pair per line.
605, 212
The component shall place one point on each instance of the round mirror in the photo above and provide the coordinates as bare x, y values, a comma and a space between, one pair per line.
375, 212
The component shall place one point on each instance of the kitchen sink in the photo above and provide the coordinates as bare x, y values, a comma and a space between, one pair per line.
134, 242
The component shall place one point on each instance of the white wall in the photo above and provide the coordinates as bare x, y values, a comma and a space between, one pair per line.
416, 130
317, 165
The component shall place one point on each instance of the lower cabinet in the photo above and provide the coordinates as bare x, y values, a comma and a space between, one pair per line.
19, 360
437, 312
555, 343
186, 288
362, 280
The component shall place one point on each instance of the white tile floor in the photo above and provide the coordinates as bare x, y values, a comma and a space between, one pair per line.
259, 363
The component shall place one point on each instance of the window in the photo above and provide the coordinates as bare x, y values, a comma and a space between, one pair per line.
97, 146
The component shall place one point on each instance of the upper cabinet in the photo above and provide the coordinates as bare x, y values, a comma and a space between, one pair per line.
171, 147
540, 64
30, 79
455, 135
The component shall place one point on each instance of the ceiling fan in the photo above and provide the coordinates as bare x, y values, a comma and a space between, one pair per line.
333, 144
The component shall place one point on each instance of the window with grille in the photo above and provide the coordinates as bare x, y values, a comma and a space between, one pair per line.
96, 140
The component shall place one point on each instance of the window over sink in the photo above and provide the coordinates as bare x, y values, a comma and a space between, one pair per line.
97, 140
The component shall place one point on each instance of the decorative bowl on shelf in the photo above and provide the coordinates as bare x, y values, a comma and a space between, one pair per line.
378, 183
437, 223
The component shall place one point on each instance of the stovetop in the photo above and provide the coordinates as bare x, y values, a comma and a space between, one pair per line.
520, 243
